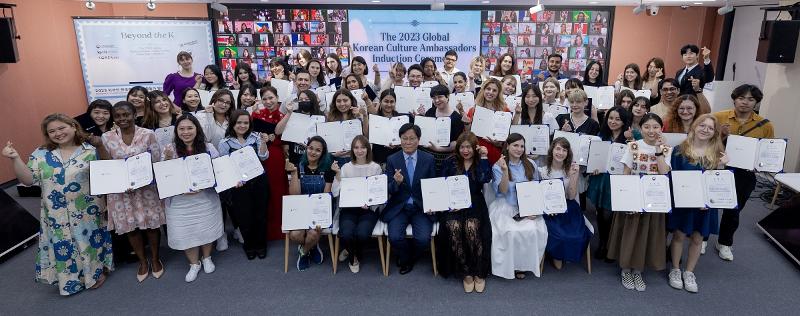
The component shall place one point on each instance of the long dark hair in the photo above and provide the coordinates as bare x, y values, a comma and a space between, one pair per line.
333, 112
216, 97
362, 61
605, 132
199, 142
526, 164
637, 83
325, 160
246, 87
312, 97
599, 74
338, 71
560, 141
365, 142
387, 93
104, 105
220, 78
537, 119
251, 77
185, 107
134, 90
230, 132
467, 137
150, 115
321, 75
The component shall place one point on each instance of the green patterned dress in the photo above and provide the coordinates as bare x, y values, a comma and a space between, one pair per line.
74, 245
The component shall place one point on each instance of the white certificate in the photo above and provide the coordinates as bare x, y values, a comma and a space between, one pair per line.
119, 175
434, 130
322, 91
598, 156
626, 193
771, 154
284, 88
537, 138
409, 99
615, 165
741, 151
445, 193
429, 84
306, 211
513, 101
656, 194
603, 98
165, 135
583, 148
205, 98
182, 175
562, 83
467, 100
687, 188
301, 127
385, 131
541, 197
241, 165
329, 99
490, 124
638, 93
359, 95
339, 135
720, 189
556, 108
674, 139
360, 191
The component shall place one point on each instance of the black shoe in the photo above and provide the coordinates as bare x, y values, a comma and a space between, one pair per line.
600, 254
262, 253
250, 254
404, 269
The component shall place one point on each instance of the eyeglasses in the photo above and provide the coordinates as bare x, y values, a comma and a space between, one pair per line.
451, 59
224, 102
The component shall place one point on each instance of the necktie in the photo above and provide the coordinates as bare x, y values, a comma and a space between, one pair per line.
410, 168
685, 71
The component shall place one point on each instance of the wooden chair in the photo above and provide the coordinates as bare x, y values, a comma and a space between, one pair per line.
326, 231
588, 256
376, 232
409, 234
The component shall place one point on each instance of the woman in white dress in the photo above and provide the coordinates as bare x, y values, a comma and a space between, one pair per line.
194, 219
518, 243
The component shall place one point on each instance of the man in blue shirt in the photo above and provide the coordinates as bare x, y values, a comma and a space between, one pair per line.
553, 69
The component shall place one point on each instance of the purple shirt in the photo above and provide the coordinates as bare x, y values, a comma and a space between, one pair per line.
174, 83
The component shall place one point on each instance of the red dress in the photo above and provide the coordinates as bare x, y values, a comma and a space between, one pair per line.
493, 152
274, 165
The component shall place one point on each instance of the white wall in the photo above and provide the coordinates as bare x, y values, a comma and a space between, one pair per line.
744, 45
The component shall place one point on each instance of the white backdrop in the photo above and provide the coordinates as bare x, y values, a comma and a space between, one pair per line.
117, 54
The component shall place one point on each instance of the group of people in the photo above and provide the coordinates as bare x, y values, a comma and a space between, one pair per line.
489, 237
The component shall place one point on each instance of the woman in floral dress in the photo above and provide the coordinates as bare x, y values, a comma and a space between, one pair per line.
74, 245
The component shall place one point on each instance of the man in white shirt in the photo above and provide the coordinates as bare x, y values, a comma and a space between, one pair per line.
450, 59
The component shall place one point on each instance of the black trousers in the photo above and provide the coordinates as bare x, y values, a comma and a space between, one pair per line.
745, 184
249, 210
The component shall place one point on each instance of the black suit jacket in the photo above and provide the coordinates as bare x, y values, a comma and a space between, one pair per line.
703, 72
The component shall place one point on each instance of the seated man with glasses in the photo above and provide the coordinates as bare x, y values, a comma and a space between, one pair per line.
668, 90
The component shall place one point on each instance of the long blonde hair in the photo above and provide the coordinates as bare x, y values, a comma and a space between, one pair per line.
710, 158
498, 104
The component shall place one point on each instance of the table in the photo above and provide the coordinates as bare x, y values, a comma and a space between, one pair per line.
791, 180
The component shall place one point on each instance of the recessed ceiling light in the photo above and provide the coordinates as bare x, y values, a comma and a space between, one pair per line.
376, 1
264, 0
697, 3
485, 1
593, 2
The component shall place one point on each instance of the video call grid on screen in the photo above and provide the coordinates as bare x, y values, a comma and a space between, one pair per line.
257, 35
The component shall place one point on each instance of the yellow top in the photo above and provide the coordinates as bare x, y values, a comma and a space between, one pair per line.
736, 128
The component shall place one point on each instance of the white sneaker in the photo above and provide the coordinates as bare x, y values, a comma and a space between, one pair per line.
222, 242
627, 279
703, 248
675, 279
638, 281
194, 269
355, 266
237, 234
725, 252
690, 282
208, 265
343, 255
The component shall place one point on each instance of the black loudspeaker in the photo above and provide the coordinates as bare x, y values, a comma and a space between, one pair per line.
778, 41
8, 41
17, 227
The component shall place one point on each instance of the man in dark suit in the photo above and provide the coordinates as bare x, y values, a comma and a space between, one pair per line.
405, 169
692, 77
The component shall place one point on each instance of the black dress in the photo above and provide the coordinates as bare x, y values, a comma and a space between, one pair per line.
465, 236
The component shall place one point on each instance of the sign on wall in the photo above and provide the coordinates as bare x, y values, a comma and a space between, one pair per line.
117, 54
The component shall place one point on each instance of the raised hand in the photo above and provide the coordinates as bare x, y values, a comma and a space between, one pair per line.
659, 72
706, 53
198, 78
723, 158
483, 152
695, 83
725, 130
502, 163
566, 127
398, 176
335, 167
375, 68
169, 153
290, 166
460, 108
573, 169
629, 133
9, 151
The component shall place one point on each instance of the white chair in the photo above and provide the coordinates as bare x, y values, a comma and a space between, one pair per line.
377, 232
410, 234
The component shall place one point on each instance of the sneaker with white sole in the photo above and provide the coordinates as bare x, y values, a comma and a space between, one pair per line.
344, 255
703, 247
355, 266
222, 243
627, 279
194, 269
316, 255
208, 265
237, 234
690, 282
638, 281
725, 252
675, 279
303, 261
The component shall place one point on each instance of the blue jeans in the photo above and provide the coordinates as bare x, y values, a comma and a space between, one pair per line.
355, 228
421, 225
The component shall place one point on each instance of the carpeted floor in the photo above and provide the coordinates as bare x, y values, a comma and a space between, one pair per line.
760, 281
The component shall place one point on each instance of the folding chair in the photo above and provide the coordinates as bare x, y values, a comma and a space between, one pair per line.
409, 234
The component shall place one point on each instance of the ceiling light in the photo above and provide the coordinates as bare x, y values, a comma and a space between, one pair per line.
219, 7
90, 4
697, 3
376, 1
639, 9
485, 1
593, 2
151, 5
537, 8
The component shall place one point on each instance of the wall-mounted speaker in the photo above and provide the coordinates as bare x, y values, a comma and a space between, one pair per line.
778, 41
8, 41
